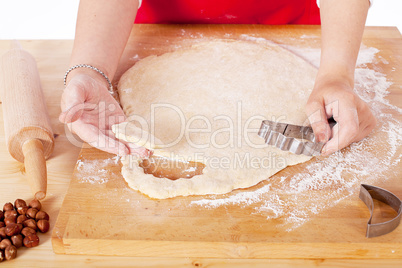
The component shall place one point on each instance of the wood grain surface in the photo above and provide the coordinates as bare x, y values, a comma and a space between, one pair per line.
26, 121
98, 218
96, 202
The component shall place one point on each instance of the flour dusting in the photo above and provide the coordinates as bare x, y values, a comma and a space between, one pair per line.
243, 198
94, 171
296, 198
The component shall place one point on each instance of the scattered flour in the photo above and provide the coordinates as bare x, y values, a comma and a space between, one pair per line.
254, 39
366, 55
312, 55
94, 171
296, 198
243, 198
197, 35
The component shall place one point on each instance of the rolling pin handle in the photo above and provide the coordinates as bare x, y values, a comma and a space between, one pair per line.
35, 167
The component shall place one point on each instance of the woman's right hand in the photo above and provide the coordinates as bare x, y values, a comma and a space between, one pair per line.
89, 110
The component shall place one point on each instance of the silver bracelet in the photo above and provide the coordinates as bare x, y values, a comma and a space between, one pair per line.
90, 67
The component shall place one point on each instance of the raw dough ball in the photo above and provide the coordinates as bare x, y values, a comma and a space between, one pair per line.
206, 104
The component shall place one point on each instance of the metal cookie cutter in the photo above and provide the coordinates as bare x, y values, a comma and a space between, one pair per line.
367, 194
292, 138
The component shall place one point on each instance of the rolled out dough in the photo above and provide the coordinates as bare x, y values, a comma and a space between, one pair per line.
206, 104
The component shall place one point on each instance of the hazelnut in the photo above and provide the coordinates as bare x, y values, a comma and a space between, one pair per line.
10, 252
27, 231
31, 213
9, 220
10, 213
8, 206
43, 225
17, 240
30, 223
22, 210
2, 224
3, 232
31, 241
5, 243
1, 215
20, 203
21, 218
2, 257
41, 215
13, 229
35, 204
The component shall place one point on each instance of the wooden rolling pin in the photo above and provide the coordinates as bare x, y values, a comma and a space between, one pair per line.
26, 122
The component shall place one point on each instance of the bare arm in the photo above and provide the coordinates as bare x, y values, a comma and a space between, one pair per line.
342, 30
103, 28
342, 24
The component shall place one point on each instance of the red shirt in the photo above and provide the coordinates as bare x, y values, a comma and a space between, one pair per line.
229, 11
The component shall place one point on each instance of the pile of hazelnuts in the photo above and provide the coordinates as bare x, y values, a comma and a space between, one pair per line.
18, 226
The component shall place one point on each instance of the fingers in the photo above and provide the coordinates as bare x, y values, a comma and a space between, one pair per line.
367, 121
106, 141
318, 119
108, 144
345, 131
133, 149
354, 119
138, 150
96, 138
89, 110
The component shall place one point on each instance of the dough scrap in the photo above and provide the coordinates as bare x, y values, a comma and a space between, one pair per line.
129, 132
222, 88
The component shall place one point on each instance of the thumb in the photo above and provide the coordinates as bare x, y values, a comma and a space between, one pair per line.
318, 120
72, 102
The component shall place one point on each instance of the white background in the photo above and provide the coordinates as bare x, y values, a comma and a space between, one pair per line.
55, 19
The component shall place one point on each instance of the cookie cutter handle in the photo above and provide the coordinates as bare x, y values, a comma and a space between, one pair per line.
367, 194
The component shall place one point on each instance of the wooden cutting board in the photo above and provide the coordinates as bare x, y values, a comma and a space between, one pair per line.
101, 215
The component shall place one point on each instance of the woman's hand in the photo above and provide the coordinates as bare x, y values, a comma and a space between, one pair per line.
103, 28
342, 26
89, 111
335, 98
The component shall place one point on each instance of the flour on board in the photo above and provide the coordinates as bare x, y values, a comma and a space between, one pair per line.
93, 171
340, 174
